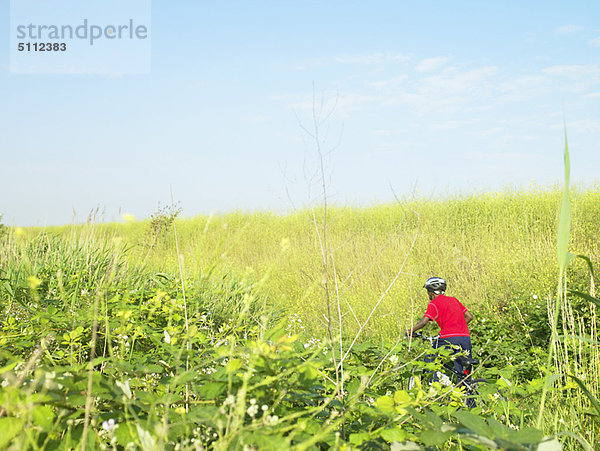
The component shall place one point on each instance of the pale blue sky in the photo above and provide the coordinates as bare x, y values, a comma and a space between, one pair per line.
451, 97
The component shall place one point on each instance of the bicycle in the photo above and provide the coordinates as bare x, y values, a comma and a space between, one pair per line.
452, 376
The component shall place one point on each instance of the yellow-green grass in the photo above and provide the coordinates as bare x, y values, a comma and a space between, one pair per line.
491, 247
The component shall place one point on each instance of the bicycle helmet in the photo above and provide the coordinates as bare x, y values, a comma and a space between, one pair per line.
435, 284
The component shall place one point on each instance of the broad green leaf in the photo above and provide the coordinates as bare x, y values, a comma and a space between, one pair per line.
43, 416
402, 398
405, 446
9, 429
125, 434
393, 435
527, 435
359, 438
233, 365
434, 438
212, 390
498, 428
474, 423
385, 404
550, 445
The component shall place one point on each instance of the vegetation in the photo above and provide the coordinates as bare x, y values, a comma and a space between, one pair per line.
217, 335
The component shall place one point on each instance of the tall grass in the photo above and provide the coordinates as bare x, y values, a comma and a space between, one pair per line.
493, 248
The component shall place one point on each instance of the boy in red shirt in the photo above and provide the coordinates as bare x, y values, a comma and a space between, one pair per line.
450, 315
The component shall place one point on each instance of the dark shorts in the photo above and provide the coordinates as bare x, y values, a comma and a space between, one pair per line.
456, 344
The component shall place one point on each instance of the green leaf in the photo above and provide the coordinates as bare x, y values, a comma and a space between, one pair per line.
591, 397
498, 429
359, 438
9, 429
561, 338
564, 222
212, 390
385, 404
147, 440
402, 398
393, 435
550, 445
9, 367
43, 416
125, 388
585, 296
474, 423
406, 446
550, 380
434, 438
527, 435
125, 434
589, 263
233, 365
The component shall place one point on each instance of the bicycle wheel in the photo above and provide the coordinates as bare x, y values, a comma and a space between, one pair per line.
473, 396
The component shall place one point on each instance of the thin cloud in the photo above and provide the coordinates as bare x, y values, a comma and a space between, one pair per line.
372, 58
595, 42
502, 156
568, 29
431, 64
575, 71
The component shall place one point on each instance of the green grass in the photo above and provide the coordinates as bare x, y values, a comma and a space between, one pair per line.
249, 278
492, 248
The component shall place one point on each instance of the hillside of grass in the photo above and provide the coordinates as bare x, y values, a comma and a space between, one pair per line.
210, 332
492, 248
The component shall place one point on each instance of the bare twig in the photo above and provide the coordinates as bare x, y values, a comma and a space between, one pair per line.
380, 299
188, 345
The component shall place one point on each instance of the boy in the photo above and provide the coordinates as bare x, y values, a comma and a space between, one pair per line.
450, 315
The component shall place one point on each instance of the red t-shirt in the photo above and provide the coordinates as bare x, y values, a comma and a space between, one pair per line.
448, 312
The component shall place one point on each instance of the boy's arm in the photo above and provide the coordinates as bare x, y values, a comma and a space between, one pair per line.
468, 316
420, 324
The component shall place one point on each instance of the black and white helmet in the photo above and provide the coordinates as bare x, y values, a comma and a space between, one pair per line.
435, 284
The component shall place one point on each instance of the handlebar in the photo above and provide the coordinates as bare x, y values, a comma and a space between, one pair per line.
464, 361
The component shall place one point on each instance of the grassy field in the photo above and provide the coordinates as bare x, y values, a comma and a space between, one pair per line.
492, 249
109, 340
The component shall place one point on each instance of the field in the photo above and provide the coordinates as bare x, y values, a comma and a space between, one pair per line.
233, 332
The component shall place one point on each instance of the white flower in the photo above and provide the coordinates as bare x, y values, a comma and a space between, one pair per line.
535, 296
229, 401
271, 420
393, 359
264, 408
252, 410
167, 337
109, 425
444, 380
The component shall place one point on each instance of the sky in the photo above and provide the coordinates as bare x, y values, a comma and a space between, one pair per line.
428, 98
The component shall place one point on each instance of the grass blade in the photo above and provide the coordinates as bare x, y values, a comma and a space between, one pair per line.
564, 223
586, 296
589, 263
591, 397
